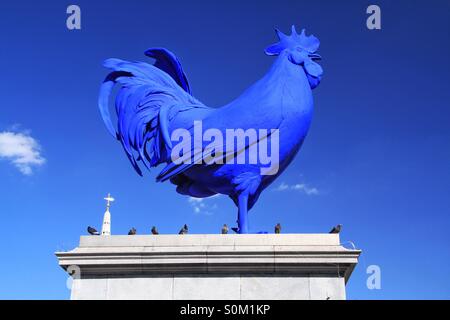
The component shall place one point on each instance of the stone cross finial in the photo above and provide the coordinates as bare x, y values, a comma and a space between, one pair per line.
108, 199
106, 227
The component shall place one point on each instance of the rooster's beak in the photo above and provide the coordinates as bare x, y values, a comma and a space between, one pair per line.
315, 56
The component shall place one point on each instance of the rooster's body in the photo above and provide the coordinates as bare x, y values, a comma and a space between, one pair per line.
154, 100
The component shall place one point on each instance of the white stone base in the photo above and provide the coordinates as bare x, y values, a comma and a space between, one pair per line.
211, 267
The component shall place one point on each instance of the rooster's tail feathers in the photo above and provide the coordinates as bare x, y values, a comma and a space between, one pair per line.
142, 105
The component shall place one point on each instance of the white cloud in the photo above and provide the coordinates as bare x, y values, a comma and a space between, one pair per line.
22, 150
202, 205
302, 187
283, 186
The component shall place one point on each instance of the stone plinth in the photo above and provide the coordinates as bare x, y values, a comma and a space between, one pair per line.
207, 266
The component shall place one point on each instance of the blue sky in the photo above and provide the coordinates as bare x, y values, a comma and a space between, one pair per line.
376, 158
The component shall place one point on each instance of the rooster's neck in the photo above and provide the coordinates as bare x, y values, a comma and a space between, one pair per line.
283, 92
290, 82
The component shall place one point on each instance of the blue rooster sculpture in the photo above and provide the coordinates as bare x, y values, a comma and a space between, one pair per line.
155, 100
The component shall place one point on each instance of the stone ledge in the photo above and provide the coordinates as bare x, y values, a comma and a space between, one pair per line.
171, 240
252, 254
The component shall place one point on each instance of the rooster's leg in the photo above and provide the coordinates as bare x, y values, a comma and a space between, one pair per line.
242, 213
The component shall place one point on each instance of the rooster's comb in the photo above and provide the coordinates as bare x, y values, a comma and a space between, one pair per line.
308, 43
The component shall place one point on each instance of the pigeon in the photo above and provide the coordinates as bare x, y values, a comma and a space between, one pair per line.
336, 229
278, 228
154, 231
184, 230
224, 229
92, 231
132, 232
